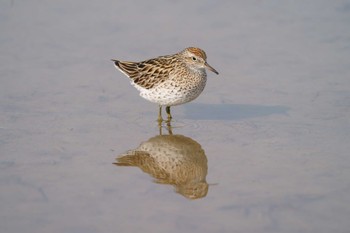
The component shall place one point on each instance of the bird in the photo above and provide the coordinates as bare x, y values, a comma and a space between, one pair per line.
169, 80
171, 159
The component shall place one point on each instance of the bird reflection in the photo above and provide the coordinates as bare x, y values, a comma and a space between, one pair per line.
171, 159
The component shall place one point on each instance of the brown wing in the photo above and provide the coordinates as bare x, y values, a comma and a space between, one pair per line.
134, 158
144, 161
149, 73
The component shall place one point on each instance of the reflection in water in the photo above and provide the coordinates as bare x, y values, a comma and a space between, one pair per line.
172, 159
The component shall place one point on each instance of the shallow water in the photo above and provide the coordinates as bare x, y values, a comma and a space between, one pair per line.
268, 137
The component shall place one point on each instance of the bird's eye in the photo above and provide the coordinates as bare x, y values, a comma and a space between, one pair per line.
194, 58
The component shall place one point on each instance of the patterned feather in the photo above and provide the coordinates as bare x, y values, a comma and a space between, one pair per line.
147, 73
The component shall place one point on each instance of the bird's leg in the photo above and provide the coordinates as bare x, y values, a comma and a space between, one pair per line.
170, 131
160, 129
160, 119
167, 109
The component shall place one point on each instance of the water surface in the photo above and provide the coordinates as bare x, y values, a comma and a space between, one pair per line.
269, 136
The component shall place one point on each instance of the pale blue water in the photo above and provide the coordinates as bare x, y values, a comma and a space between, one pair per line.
274, 125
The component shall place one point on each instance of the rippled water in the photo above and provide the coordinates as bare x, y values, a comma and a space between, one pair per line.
263, 149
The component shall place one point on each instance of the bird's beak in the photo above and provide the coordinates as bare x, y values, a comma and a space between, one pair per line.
211, 68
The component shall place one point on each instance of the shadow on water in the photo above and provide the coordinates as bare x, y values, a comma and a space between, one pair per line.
230, 111
171, 159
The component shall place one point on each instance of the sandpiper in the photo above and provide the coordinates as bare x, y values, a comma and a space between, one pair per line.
169, 80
